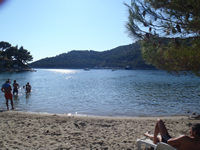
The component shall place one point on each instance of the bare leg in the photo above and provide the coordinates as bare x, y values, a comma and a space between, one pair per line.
159, 128
11, 101
7, 104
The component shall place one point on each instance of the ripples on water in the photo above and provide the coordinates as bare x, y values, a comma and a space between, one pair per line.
106, 92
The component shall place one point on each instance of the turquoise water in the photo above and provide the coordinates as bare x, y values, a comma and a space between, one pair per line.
105, 92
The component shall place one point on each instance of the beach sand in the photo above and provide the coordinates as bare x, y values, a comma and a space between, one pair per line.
20, 130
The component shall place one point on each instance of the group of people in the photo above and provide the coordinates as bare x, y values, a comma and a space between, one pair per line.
7, 89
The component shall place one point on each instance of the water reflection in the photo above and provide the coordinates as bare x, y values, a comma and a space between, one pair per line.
16, 98
28, 95
63, 71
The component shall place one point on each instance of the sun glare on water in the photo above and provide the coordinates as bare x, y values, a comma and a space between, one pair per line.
64, 71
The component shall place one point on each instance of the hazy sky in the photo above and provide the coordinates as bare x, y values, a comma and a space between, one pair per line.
48, 28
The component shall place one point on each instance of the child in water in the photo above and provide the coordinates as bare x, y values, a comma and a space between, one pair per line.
28, 88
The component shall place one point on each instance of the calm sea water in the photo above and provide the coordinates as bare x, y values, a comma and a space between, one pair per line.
105, 92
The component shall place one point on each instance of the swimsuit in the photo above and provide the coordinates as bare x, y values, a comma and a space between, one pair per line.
8, 95
15, 90
166, 137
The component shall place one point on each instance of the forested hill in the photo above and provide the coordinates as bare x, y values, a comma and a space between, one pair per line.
117, 57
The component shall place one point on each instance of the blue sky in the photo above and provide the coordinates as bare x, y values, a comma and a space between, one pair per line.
48, 28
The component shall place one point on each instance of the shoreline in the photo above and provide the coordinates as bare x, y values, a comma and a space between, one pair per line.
100, 117
26, 130
17, 70
94, 116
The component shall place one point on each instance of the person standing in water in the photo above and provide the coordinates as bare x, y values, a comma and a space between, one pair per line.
16, 87
6, 88
28, 88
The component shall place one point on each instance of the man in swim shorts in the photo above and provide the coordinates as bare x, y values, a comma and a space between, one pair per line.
191, 142
6, 88
16, 87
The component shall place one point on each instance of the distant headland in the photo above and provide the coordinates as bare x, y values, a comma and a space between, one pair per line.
123, 57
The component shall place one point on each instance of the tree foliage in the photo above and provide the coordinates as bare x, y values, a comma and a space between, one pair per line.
169, 33
21, 55
4, 45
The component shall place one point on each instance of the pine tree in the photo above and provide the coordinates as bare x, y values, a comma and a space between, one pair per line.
169, 33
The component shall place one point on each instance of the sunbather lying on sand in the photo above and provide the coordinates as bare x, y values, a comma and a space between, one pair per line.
191, 142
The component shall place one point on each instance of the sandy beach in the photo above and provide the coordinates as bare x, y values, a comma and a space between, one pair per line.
21, 130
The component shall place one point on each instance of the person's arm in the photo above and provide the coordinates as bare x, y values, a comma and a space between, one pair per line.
176, 142
10, 88
2, 89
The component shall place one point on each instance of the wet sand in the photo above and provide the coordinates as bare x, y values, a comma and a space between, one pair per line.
21, 130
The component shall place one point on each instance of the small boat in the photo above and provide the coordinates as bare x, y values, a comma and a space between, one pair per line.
86, 69
33, 70
128, 68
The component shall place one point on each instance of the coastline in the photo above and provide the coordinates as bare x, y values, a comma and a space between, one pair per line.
16, 69
23, 130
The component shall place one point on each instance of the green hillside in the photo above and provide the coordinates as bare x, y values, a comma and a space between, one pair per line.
76, 59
